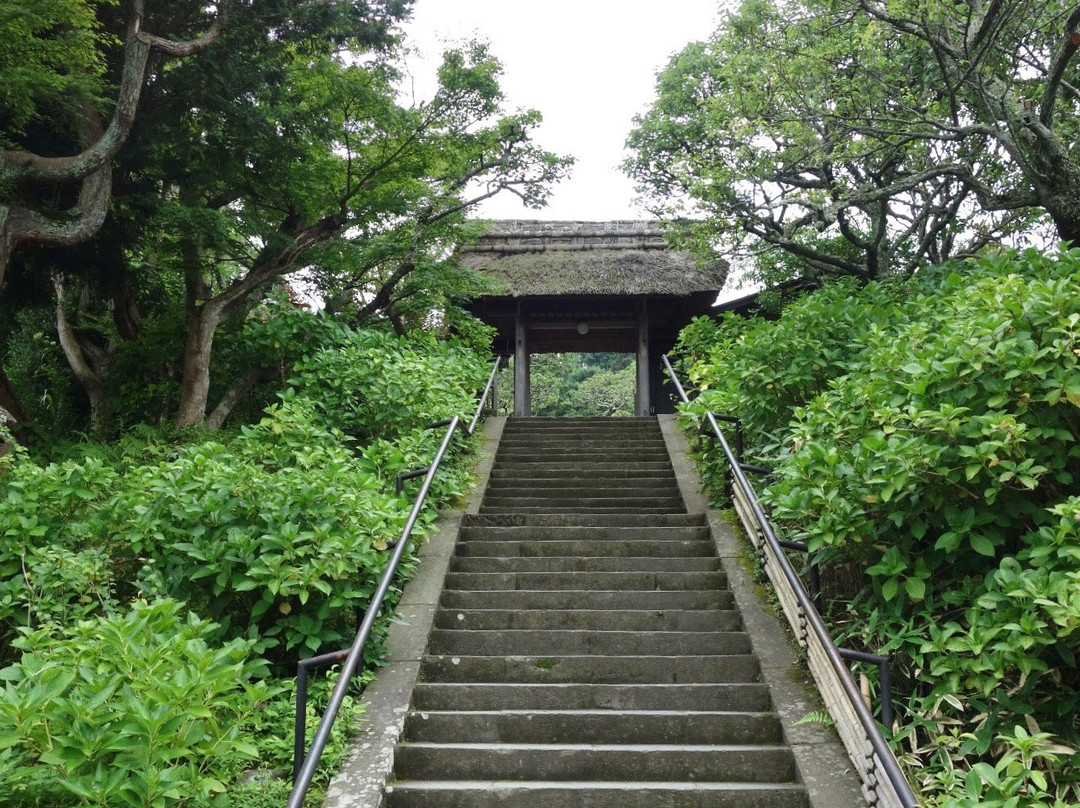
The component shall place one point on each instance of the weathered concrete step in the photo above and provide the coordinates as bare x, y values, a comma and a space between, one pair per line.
630, 794
562, 470
574, 449
517, 437
748, 697
478, 547
565, 486
584, 564
652, 534
654, 762
586, 599
590, 619
573, 509
539, 641
587, 521
594, 726
587, 580
627, 501
661, 470
585, 494
580, 460
612, 473
541, 423
589, 671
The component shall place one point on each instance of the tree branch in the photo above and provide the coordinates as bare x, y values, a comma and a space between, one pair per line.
1056, 71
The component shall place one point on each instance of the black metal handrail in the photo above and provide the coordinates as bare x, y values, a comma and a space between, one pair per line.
893, 773
304, 772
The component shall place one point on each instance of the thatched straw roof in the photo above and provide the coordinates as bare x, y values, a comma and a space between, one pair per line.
535, 258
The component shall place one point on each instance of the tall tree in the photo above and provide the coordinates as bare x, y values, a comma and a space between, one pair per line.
60, 136
316, 151
60, 49
844, 136
1005, 73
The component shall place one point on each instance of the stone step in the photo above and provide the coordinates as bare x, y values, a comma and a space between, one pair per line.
648, 581
480, 642
562, 485
651, 471
518, 437
623, 519
719, 598
625, 501
654, 762
748, 697
479, 547
583, 794
578, 451
573, 449
561, 471
554, 455
585, 494
652, 534
590, 619
584, 564
572, 486
594, 727
540, 422
572, 508
698, 670
609, 428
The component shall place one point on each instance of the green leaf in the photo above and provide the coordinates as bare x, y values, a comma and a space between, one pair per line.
916, 588
982, 545
890, 588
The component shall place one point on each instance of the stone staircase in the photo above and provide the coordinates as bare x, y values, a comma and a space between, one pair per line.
586, 652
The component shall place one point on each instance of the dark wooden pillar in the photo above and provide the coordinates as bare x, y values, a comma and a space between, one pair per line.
642, 403
522, 389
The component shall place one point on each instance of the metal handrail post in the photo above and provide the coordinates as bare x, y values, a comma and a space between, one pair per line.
483, 397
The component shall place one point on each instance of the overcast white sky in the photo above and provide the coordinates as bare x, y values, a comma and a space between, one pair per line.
587, 65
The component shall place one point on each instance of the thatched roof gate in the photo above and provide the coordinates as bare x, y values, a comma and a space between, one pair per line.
585, 287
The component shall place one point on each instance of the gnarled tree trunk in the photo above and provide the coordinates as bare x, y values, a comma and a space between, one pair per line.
22, 225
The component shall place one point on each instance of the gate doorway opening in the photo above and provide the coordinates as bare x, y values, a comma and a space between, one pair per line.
575, 385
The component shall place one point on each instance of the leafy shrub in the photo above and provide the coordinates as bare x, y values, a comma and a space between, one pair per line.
54, 564
930, 439
274, 535
282, 531
139, 709
762, 369
378, 385
943, 447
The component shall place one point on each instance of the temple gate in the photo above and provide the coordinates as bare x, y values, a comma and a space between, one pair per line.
583, 287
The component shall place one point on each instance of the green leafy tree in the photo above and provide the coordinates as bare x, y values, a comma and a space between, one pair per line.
58, 195
864, 138
287, 148
373, 191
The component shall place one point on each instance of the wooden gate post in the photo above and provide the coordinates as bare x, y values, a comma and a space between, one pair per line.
522, 390
642, 402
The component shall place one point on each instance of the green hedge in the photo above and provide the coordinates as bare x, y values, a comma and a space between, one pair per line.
165, 585
926, 434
